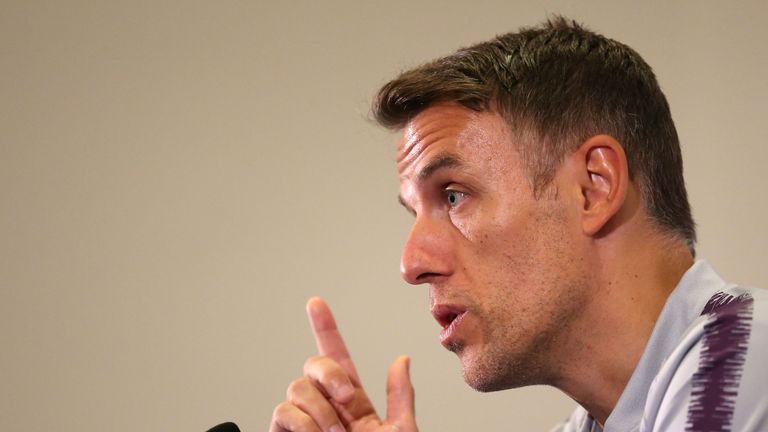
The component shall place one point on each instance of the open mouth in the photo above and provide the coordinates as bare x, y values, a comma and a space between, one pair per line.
447, 314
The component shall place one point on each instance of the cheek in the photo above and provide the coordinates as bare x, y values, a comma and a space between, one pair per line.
519, 251
469, 226
486, 221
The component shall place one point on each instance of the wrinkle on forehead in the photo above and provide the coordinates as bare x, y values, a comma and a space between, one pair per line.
430, 126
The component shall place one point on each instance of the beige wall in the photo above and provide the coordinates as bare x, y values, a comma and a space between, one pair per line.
177, 178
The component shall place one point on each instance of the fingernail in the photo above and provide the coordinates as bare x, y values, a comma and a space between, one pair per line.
344, 391
337, 428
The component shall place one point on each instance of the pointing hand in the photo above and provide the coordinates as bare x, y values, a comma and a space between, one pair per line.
330, 396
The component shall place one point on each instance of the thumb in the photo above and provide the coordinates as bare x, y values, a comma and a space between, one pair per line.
400, 399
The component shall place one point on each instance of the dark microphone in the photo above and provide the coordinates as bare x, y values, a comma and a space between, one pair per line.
225, 427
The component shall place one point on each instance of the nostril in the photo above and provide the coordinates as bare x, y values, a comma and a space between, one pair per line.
425, 277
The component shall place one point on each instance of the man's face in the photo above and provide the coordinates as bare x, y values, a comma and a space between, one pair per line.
503, 267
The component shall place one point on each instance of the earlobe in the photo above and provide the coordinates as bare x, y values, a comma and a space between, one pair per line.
605, 180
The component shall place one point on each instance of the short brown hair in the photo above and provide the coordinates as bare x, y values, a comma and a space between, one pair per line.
556, 85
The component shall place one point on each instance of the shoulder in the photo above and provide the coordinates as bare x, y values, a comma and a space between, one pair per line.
719, 380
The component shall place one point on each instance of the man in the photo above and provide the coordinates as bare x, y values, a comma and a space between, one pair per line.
552, 226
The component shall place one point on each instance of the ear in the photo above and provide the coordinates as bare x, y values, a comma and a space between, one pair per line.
603, 175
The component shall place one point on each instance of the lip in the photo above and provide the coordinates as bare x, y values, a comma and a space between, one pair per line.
449, 317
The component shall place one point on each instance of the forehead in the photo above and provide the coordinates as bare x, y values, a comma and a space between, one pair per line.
465, 133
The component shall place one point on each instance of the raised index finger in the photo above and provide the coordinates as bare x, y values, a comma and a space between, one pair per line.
327, 337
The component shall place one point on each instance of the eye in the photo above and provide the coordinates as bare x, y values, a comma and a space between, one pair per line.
454, 197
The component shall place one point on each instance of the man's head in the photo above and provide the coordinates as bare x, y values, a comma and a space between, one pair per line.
557, 85
505, 228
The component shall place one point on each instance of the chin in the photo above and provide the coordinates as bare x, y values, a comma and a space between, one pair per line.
478, 375
486, 374
483, 386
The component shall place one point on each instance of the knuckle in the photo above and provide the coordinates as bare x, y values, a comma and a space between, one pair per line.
296, 388
318, 367
321, 367
311, 361
281, 411
318, 370
305, 423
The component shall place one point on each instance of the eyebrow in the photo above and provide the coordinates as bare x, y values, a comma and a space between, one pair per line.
442, 161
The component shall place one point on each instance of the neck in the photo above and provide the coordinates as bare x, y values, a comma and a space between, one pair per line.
606, 344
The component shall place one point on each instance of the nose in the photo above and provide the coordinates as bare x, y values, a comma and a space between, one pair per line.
427, 254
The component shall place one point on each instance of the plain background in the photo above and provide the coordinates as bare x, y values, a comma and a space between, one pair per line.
177, 178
